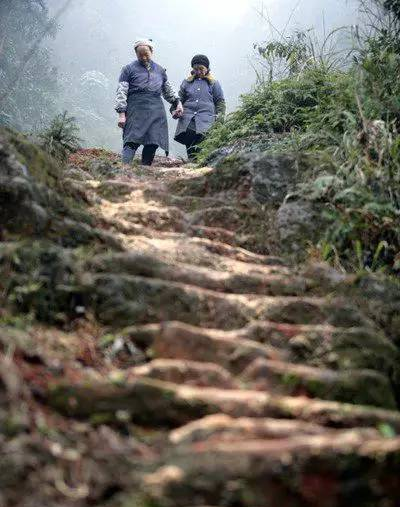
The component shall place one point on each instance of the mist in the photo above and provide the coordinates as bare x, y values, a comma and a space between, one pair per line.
95, 40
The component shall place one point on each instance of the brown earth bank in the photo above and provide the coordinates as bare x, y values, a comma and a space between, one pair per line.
161, 346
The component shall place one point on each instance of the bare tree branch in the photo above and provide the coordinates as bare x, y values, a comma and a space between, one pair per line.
291, 16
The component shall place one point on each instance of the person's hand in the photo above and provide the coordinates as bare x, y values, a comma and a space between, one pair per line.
178, 113
122, 120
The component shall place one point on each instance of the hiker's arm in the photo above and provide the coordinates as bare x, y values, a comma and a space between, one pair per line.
170, 94
121, 102
219, 102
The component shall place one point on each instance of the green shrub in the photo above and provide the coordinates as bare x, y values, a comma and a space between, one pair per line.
61, 138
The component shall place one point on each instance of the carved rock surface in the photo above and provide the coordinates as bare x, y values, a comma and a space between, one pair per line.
154, 353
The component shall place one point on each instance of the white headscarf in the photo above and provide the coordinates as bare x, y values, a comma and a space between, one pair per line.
144, 42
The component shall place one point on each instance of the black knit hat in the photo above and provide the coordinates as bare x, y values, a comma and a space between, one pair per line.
201, 60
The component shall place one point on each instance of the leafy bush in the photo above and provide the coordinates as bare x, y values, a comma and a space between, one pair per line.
61, 138
290, 105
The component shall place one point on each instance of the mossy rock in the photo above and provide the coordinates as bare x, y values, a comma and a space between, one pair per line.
40, 278
124, 300
36, 201
148, 402
40, 166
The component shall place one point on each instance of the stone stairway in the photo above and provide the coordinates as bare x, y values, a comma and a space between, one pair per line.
226, 377
262, 377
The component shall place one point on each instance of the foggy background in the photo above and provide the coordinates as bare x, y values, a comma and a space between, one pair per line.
96, 36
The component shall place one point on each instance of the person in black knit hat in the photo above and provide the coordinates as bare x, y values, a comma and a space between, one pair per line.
201, 60
203, 103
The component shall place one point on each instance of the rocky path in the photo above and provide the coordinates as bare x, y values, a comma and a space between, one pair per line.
213, 374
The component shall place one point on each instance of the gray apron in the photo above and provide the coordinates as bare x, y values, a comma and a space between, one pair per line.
146, 120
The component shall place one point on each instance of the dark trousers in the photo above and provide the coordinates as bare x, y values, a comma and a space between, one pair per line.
129, 150
192, 141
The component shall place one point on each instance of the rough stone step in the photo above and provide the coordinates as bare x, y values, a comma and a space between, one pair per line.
320, 470
186, 372
140, 264
177, 341
227, 217
221, 427
320, 346
187, 203
116, 191
361, 387
346, 349
325, 345
214, 234
174, 250
127, 229
337, 312
174, 340
240, 254
122, 300
249, 242
202, 251
159, 219
268, 333
154, 403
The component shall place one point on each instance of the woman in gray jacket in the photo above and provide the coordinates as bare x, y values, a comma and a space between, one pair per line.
203, 103
139, 104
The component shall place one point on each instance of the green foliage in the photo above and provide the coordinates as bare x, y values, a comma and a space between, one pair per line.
290, 106
292, 54
61, 138
386, 430
364, 145
351, 117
